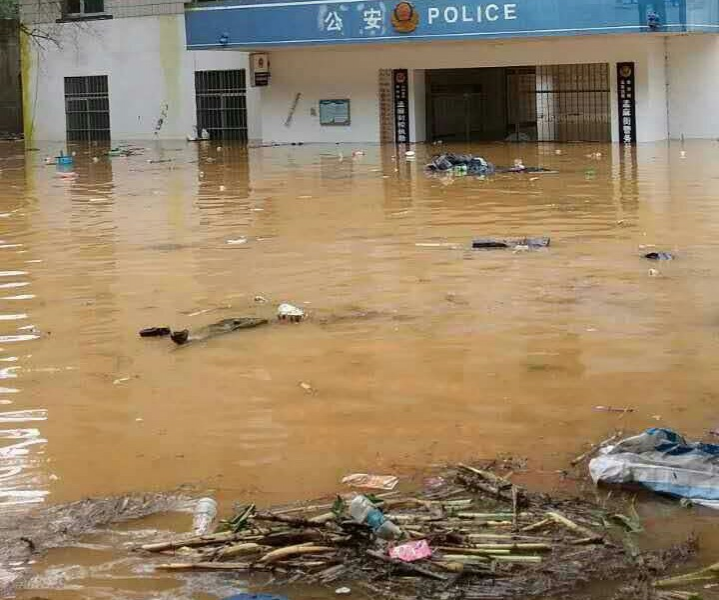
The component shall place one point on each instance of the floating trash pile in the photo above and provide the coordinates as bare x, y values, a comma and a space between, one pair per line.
469, 533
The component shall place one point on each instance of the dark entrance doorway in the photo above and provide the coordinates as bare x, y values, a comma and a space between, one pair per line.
549, 103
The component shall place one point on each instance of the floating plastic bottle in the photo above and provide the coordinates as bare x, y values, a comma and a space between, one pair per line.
204, 516
288, 312
362, 510
64, 159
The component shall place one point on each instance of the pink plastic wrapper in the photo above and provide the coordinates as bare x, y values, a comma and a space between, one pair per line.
411, 551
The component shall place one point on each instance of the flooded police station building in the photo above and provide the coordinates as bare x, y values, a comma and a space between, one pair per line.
379, 70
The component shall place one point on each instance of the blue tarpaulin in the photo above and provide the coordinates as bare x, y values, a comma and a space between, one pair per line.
662, 461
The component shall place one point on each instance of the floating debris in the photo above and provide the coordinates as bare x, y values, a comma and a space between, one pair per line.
435, 245
343, 591
155, 332
375, 482
222, 327
659, 256
411, 551
530, 243
477, 536
614, 409
663, 461
288, 312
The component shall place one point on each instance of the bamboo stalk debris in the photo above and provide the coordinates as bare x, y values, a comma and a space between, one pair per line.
485, 542
283, 553
488, 475
594, 447
506, 536
454, 550
710, 573
189, 542
571, 525
537, 525
239, 550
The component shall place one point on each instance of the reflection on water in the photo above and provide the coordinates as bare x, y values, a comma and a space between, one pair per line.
419, 350
23, 475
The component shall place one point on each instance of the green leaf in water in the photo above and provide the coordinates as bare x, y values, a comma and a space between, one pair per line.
239, 521
339, 507
628, 522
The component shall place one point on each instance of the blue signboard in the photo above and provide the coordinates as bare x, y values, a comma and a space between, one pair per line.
256, 24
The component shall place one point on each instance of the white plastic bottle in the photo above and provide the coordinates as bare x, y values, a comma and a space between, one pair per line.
204, 516
362, 510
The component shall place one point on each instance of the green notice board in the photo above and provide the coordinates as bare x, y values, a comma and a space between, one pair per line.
335, 112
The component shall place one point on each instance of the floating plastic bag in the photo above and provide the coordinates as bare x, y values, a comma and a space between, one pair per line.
411, 551
664, 462
375, 482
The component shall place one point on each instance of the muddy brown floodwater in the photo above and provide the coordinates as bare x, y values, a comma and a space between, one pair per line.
419, 351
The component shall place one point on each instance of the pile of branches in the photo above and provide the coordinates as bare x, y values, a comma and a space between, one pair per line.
490, 539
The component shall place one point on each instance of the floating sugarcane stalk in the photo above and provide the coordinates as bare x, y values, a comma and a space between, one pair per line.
515, 547
282, 553
518, 559
240, 550
189, 542
460, 551
537, 525
710, 573
507, 536
571, 525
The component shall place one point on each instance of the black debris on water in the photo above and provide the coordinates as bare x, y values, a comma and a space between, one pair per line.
659, 256
490, 243
155, 332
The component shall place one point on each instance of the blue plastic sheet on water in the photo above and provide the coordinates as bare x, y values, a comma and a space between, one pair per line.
664, 462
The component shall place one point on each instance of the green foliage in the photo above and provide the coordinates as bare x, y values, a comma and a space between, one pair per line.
9, 9
239, 521
339, 507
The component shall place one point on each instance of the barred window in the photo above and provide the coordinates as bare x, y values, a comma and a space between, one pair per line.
83, 7
87, 108
222, 104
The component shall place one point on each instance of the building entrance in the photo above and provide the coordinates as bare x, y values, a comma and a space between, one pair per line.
548, 103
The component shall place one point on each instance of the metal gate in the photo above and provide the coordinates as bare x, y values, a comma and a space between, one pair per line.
222, 104
572, 103
551, 103
87, 108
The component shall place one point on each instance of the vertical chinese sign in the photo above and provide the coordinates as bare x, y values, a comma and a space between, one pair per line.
386, 107
401, 105
627, 103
